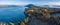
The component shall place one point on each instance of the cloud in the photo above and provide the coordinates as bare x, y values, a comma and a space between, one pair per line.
13, 3
47, 3
25, 3
54, 3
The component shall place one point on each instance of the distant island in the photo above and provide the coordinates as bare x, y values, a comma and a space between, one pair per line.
6, 6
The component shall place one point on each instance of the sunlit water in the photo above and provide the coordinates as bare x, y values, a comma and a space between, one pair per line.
12, 14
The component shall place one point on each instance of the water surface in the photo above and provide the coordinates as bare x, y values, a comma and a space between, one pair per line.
13, 14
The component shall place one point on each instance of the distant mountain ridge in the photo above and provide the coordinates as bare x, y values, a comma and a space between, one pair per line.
51, 6
45, 6
5, 6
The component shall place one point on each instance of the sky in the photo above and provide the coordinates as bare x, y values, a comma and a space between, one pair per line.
25, 2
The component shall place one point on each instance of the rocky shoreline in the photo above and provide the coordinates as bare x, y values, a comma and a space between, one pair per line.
42, 16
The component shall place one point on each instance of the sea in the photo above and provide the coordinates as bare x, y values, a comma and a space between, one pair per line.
12, 14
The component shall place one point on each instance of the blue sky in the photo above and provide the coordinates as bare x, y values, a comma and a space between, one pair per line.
25, 2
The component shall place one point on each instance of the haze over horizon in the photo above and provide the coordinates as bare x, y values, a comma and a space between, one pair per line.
25, 2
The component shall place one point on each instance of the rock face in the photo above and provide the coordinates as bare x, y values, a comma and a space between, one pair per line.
41, 16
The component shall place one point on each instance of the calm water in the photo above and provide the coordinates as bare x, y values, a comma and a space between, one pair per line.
12, 14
